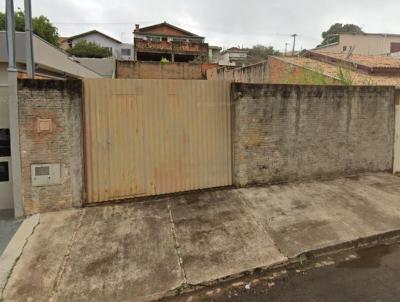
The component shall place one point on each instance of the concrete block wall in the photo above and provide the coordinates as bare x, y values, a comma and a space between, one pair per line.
257, 73
156, 70
61, 102
285, 133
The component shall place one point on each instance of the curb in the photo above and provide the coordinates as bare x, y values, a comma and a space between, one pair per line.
295, 262
14, 249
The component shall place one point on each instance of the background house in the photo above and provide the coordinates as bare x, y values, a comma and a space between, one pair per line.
50, 63
233, 56
214, 54
164, 40
364, 44
121, 51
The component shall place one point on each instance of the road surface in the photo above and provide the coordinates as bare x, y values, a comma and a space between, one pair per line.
370, 274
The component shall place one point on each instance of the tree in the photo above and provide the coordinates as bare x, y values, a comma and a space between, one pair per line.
260, 53
85, 49
41, 26
339, 28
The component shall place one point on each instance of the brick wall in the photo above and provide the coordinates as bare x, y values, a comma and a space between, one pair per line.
283, 133
257, 73
281, 72
272, 71
59, 101
156, 70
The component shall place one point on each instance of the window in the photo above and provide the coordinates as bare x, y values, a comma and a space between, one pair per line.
126, 51
344, 48
4, 171
5, 149
155, 39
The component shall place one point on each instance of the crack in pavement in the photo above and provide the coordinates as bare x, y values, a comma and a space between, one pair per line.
176, 244
66, 257
17, 259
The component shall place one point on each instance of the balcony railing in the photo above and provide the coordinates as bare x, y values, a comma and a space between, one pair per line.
174, 46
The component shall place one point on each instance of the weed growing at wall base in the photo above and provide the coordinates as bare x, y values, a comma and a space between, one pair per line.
344, 76
307, 77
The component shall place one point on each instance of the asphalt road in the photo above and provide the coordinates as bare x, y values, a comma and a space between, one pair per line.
371, 274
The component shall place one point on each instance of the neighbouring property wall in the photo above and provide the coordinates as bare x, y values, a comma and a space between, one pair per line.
157, 70
286, 132
272, 71
257, 73
61, 102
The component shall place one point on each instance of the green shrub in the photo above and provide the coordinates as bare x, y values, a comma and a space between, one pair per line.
85, 49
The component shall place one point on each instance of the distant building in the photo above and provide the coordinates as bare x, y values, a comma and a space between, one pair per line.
233, 56
152, 43
364, 44
121, 51
214, 54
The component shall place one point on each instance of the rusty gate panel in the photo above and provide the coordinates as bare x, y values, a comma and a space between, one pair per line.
150, 137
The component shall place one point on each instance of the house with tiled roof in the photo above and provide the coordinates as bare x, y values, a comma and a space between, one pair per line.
164, 40
358, 69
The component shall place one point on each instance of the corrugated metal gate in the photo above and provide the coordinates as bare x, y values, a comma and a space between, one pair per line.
396, 165
149, 137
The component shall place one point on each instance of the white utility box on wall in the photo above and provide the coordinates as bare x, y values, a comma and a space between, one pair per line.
45, 174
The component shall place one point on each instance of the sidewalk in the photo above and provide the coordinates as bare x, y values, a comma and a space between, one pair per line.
143, 251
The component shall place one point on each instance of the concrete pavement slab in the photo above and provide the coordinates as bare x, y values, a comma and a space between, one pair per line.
35, 274
309, 216
142, 251
122, 253
219, 237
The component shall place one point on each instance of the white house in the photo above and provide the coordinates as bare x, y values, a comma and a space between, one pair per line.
364, 44
233, 57
214, 54
121, 51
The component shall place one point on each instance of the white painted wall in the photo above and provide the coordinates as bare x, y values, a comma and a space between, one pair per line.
228, 58
6, 197
364, 44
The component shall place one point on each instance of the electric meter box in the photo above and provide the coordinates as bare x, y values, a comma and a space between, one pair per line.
46, 174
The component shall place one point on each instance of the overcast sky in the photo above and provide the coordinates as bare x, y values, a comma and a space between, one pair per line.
222, 22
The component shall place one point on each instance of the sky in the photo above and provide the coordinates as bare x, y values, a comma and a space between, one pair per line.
222, 22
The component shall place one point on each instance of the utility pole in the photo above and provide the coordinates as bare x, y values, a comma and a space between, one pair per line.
294, 43
286, 45
30, 62
10, 35
13, 111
